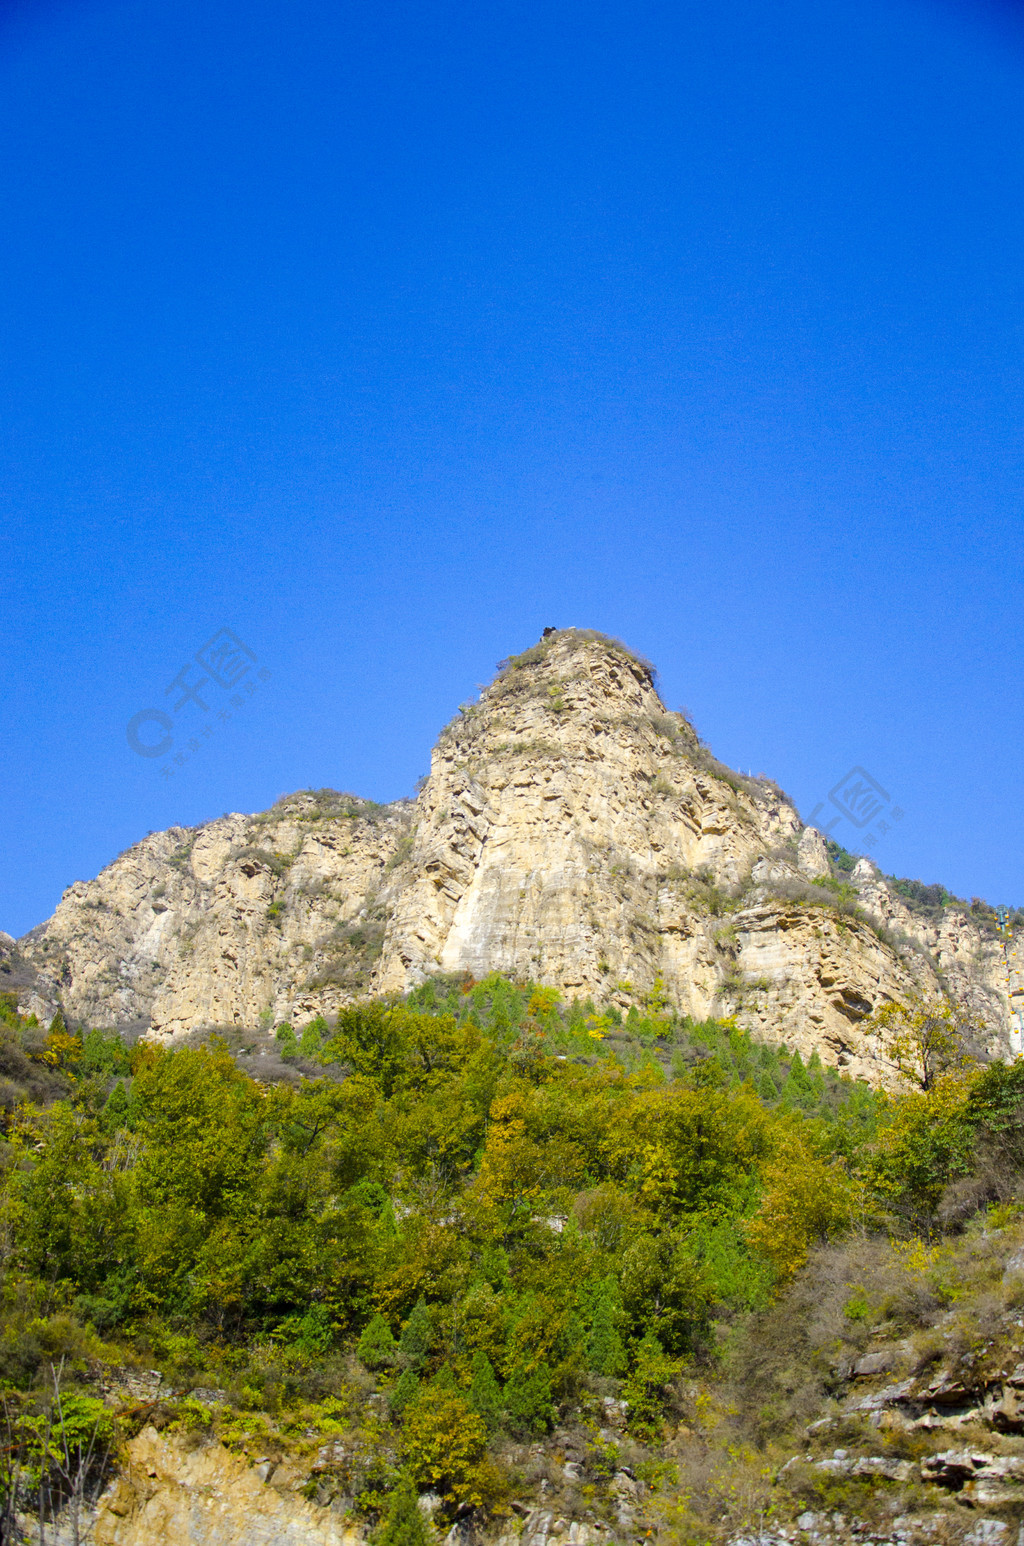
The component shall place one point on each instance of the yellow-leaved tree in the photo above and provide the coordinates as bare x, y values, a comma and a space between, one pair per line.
935, 1048
517, 1169
926, 1040
808, 1197
444, 1446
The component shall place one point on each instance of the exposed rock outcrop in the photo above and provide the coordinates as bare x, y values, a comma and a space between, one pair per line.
170, 1490
571, 830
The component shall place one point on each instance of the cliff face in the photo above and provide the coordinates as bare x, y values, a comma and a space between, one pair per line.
169, 1490
572, 831
247, 920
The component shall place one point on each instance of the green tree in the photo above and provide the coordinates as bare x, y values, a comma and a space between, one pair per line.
312, 1038
376, 1347
485, 1392
528, 1400
644, 1388
404, 1391
798, 1089
313, 1332
417, 1335
204, 1130
765, 1086
372, 1040
72, 1213
115, 1112
104, 1055
286, 1040
665, 1290
404, 1524
605, 1351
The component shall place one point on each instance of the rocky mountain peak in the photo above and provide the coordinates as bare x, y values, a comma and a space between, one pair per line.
572, 831
593, 664
561, 694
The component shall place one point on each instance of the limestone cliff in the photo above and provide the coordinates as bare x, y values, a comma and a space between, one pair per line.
571, 830
170, 1490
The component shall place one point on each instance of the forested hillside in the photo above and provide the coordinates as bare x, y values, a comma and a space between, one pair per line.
479, 1244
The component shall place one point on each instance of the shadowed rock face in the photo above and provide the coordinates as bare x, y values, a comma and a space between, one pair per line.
571, 830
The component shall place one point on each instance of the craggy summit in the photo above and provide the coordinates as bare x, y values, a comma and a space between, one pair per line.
572, 831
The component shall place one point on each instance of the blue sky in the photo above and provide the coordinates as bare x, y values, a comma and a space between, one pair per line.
385, 335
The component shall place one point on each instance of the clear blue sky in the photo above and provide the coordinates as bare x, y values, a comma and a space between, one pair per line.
385, 334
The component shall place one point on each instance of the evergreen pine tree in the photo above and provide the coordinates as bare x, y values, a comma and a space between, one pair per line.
605, 1352
766, 1087
528, 1400
417, 1333
798, 1089
404, 1524
314, 1332
286, 1040
495, 1267
136, 1106
115, 1112
403, 1391
58, 1027
312, 1038
485, 1392
376, 1346
388, 1222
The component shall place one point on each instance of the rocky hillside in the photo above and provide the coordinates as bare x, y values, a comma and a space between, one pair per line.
572, 831
879, 1403
510, 1268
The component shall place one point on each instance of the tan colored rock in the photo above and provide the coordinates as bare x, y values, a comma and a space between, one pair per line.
571, 831
246, 921
167, 1491
812, 855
